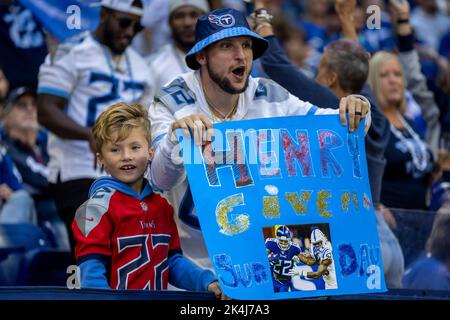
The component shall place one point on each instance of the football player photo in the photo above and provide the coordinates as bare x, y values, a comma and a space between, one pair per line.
300, 257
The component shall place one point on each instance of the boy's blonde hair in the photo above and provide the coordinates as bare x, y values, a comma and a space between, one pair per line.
120, 118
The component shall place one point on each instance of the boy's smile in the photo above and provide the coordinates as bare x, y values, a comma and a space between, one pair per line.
127, 159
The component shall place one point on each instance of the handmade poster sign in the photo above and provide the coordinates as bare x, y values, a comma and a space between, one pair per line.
285, 208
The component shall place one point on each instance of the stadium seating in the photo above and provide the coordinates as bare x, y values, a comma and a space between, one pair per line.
27, 258
413, 230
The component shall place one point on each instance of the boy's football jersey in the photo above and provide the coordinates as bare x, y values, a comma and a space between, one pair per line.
136, 236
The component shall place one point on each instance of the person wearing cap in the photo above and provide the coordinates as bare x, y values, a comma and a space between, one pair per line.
26, 144
16, 205
219, 89
77, 83
168, 62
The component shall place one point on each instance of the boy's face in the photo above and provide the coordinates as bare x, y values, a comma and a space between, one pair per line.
127, 160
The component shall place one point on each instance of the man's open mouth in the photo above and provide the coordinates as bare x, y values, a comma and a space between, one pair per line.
239, 71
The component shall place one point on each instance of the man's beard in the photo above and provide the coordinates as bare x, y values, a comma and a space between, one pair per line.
108, 37
224, 83
187, 45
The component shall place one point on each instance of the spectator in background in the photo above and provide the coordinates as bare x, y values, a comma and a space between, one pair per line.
16, 205
168, 62
156, 32
76, 84
4, 87
375, 39
23, 44
410, 159
429, 23
26, 144
432, 272
294, 43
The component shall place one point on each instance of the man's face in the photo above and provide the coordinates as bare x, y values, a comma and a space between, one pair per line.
229, 63
120, 29
182, 23
317, 244
23, 114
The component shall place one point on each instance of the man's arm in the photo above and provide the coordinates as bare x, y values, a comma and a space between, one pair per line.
52, 116
345, 10
415, 80
278, 68
58, 78
166, 170
306, 259
321, 270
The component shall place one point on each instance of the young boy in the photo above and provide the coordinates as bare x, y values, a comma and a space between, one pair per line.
125, 234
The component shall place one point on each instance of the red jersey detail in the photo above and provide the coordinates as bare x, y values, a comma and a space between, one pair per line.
136, 234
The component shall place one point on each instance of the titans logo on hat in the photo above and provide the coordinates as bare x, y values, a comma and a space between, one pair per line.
226, 20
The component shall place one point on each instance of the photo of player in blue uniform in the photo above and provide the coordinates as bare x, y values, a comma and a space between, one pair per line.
282, 254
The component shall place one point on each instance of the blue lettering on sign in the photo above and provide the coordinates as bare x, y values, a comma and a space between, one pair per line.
348, 261
232, 275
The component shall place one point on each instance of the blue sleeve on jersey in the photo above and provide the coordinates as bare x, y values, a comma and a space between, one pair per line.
184, 274
296, 250
312, 110
93, 274
271, 245
55, 92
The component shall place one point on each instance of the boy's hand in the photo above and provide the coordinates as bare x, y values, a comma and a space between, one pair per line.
217, 290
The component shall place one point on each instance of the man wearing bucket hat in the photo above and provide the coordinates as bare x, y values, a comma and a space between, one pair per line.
219, 89
168, 62
76, 84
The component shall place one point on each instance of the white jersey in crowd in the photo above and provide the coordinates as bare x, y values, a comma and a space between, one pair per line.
323, 253
184, 96
82, 70
166, 64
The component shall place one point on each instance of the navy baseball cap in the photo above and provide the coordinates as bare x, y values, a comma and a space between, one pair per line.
222, 24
